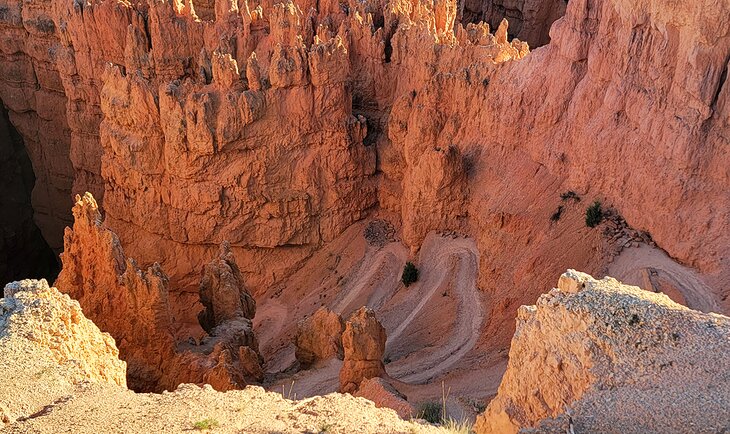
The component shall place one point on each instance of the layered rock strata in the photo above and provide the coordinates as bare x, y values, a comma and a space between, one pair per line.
275, 126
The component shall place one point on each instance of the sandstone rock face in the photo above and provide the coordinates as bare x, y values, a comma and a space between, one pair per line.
132, 305
47, 346
227, 317
222, 292
319, 337
121, 299
250, 113
275, 126
611, 357
363, 342
32, 87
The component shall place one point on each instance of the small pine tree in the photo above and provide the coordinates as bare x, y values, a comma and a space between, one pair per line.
594, 215
410, 274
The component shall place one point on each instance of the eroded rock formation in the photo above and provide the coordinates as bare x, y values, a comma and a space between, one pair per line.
601, 356
132, 305
530, 20
47, 348
384, 395
249, 114
319, 337
277, 125
129, 303
226, 317
363, 342
223, 294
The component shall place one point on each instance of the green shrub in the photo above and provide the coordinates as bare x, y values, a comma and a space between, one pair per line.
570, 195
207, 423
556, 215
594, 215
431, 411
410, 274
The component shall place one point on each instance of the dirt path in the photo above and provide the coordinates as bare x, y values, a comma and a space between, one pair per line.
377, 277
268, 323
628, 266
442, 259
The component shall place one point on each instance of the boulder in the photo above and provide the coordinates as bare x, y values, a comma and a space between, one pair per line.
383, 394
319, 337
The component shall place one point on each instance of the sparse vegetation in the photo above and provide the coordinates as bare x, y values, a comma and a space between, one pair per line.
570, 195
556, 215
431, 411
288, 395
207, 423
410, 274
325, 427
594, 215
435, 413
457, 427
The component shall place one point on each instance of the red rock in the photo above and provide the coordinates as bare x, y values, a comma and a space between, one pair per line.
132, 306
383, 394
319, 337
222, 292
363, 342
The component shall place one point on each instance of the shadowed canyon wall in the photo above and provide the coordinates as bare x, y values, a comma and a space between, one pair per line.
23, 250
530, 20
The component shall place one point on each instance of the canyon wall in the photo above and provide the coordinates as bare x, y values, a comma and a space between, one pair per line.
275, 126
23, 250
530, 20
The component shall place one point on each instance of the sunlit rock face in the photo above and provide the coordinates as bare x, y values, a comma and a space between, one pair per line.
598, 355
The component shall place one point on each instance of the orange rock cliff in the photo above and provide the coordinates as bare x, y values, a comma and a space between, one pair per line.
252, 176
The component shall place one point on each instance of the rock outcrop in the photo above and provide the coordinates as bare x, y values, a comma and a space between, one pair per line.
47, 348
227, 317
132, 305
182, 124
129, 303
363, 342
223, 294
530, 20
600, 356
319, 337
